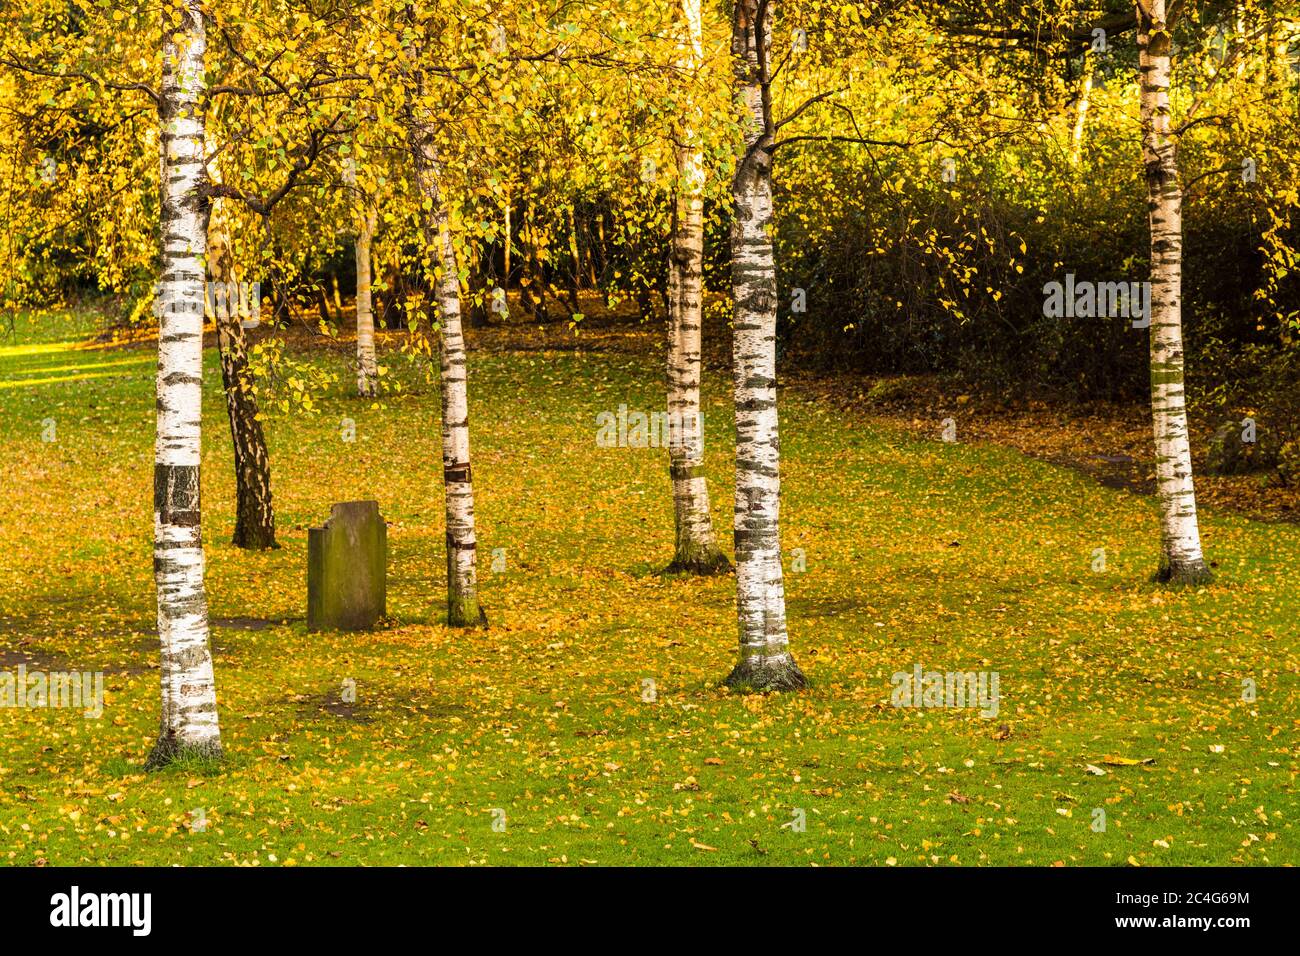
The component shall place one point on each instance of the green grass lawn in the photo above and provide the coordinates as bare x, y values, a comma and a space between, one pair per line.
957, 557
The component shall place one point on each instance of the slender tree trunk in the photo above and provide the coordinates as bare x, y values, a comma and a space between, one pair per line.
573, 280
1241, 33
189, 698
391, 308
480, 288
279, 303
508, 240
367, 222
323, 304
1181, 559
645, 305
765, 659
532, 282
592, 275
367, 365
526, 297
604, 248
581, 268
696, 550
254, 511
463, 608
1081, 110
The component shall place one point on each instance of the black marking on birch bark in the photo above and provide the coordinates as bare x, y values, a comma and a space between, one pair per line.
748, 541
454, 544
176, 494
458, 474
178, 337
181, 378
750, 470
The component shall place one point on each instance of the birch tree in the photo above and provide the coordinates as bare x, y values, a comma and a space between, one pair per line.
696, 550
765, 660
1089, 67
228, 300
463, 608
189, 700
1181, 559
366, 223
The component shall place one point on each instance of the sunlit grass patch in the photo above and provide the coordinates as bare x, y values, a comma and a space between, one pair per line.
587, 724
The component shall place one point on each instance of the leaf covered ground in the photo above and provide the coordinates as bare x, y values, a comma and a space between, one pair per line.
1115, 693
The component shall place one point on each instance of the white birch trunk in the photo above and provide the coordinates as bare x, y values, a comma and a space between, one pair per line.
463, 608
1181, 559
367, 364
696, 550
367, 221
1081, 112
189, 700
765, 660
505, 283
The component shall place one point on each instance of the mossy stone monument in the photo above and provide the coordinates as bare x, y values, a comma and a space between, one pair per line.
347, 567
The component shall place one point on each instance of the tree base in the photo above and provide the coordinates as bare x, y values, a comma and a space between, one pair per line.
260, 541
169, 750
1183, 575
466, 613
703, 562
764, 674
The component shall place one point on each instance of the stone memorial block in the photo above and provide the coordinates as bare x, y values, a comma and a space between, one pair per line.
347, 567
